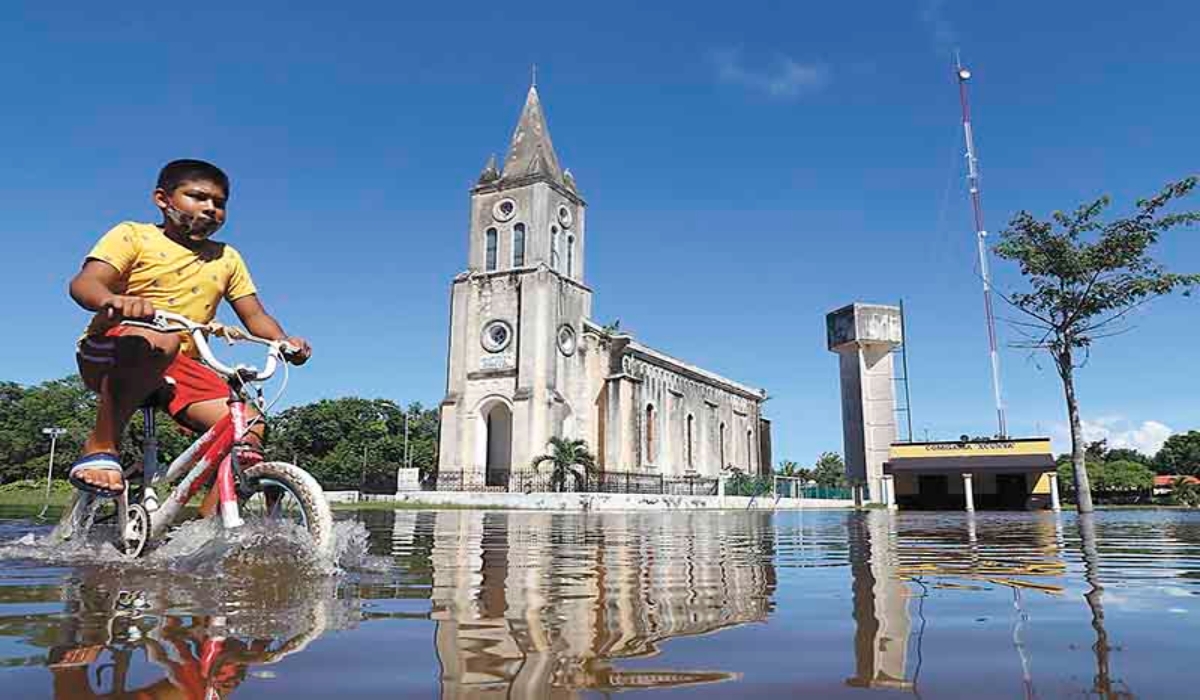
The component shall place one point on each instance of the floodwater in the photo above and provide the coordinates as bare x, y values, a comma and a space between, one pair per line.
463, 604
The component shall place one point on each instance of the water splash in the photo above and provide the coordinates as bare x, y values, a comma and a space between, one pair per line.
203, 548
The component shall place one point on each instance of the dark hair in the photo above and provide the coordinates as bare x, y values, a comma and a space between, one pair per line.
178, 172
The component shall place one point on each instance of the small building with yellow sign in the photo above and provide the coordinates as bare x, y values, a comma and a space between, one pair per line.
1002, 474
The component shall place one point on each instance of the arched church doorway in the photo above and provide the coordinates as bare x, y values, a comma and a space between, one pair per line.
498, 438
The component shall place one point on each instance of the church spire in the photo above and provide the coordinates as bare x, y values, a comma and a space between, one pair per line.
531, 153
490, 174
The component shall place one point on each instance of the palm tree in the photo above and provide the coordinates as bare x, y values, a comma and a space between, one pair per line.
567, 457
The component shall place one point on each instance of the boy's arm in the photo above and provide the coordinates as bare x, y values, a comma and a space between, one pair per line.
260, 323
98, 288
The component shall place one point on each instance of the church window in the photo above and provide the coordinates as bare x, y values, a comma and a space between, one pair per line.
749, 450
690, 452
650, 434
566, 340
497, 335
491, 249
721, 446
504, 210
570, 256
518, 245
554, 248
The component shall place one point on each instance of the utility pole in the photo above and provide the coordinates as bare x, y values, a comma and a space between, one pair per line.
407, 454
54, 434
981, 240
362, 474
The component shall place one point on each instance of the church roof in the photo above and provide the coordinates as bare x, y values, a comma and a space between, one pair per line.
531, 153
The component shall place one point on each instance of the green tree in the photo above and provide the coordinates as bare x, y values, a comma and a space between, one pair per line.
567, 458
24, 411
1180, 454
1185, 493
830, 470
1129, 455
328, 438
1115, 477
793, 469
1085, 276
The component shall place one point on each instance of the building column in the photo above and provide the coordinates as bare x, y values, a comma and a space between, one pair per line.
1055, 504
969, 492
889, 491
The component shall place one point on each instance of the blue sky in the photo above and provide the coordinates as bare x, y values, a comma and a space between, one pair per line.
749, 166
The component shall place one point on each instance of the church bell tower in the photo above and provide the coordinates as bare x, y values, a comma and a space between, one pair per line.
515, 375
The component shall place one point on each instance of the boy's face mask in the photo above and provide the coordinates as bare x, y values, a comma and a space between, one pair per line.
194, 209
191, 225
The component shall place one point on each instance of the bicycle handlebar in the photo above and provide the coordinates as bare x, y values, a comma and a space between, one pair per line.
168, 322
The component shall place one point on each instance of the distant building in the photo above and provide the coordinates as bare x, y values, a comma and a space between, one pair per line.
527, 362
1001, 474
1164, 484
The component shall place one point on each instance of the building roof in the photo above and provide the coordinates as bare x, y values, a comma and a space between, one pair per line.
531, 153
676, 365
1169, 479
986, 455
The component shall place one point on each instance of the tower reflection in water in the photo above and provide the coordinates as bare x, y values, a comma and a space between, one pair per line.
545, 604
897, 563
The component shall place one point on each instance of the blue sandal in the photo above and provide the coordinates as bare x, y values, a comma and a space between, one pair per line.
101, 461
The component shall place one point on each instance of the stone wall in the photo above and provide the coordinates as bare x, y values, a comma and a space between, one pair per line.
601, 501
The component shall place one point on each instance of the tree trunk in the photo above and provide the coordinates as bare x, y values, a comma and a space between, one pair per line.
1083, 487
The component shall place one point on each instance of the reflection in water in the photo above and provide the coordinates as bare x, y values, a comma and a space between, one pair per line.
881, 616
463, 604
546, 604
883, 562
1103, 686
108, 633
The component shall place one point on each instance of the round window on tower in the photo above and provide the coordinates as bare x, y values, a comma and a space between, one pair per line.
504, 210
497, 336
566, 340
564, 216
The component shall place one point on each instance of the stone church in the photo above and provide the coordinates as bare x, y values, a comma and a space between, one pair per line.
527, 362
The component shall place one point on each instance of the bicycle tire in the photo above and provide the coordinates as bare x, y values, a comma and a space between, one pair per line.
318, 519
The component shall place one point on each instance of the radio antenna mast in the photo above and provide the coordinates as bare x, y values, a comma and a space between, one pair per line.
980, 235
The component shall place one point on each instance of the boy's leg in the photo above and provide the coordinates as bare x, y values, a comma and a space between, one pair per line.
139, 358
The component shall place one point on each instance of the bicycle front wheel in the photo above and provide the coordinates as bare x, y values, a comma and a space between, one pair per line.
285, 492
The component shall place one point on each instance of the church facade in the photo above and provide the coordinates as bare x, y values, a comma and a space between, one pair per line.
527, 362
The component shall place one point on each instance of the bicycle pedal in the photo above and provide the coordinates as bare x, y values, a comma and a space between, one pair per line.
150, 500
249, 457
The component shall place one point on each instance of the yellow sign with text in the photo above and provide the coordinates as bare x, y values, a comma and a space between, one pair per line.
990, 448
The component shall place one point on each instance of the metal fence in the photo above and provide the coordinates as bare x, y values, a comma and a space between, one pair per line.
374, 482
529, 481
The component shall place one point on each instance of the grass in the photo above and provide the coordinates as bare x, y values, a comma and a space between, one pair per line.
28, 492
31, 493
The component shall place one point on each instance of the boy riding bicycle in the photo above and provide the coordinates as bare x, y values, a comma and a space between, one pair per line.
136, 269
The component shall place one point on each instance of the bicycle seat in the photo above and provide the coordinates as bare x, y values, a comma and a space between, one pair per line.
160, 397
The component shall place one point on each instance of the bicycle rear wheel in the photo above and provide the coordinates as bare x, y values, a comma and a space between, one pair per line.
285, 492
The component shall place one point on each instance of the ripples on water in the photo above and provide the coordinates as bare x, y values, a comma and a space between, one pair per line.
460, 604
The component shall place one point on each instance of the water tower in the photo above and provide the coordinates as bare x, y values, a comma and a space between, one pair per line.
864, 336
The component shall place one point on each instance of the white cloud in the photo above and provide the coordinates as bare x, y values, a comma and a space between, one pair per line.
786, 78
940, 28
1147, 437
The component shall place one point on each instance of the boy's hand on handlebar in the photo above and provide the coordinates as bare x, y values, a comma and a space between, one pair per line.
120, 308
299, 352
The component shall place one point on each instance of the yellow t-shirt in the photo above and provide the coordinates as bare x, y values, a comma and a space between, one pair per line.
172, 277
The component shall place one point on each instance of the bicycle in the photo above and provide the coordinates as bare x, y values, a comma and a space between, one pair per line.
270, 490
193, 656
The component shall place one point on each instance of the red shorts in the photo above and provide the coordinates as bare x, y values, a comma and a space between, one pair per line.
192, 381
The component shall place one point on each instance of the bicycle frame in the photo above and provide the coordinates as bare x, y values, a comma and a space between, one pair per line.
210, 459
